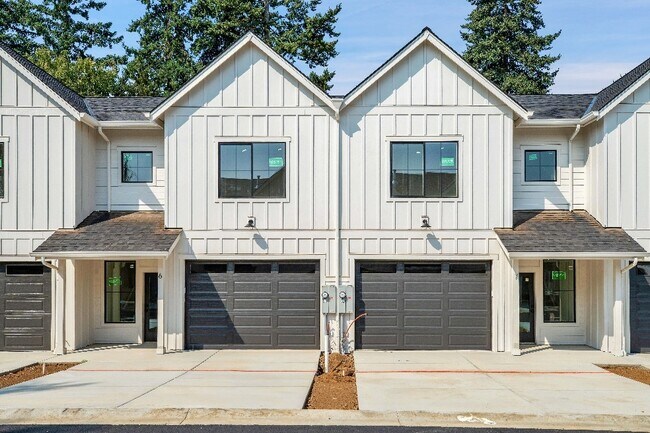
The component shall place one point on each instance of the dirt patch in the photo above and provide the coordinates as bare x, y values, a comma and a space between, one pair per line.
32, 372
634, 372
336, 389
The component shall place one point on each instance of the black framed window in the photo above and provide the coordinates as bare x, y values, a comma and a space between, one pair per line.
559, 291
540, 165
425, 169
119, 292
137, 167
252, 170
2, 169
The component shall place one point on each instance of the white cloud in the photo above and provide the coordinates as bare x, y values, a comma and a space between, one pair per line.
588, 77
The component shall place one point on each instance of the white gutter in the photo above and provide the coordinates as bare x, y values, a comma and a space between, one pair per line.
571, 180
584, 255
113, 124
105, 254
108, 168
630, 266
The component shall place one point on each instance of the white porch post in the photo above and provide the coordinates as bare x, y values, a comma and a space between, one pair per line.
162, 283
59, 309
514, 308
619, 310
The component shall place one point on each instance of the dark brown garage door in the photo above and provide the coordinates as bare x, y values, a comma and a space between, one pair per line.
423, 306
252, 305
25, 306
640, 308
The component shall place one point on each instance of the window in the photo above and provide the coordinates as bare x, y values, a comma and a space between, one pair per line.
137, 167
428, 170
119, 290
252, 170
24, 269
2, 169
559, 291
541, 165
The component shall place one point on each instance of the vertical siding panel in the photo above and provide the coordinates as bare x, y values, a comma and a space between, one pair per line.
275, 86
465, 206
69, 172
627, 171
197, 173
290, 91
9, 128
494, 157
54, 173
357, 155
183, 162
24, 92
386, 90
40, 169
305, 165
449, 83
244, 65
229, 84
372, 182
386, 125
290, 208
478, 188
402, 82
643, 176
260, 79
418, 74
213, 126
322, 162
9, 94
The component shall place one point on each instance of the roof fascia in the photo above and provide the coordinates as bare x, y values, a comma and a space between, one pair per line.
227, 55
620, 98
542, 123
578, 255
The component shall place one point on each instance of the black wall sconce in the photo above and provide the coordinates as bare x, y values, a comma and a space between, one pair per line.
425, 222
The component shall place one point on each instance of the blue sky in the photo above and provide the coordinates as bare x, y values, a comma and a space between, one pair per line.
601, 39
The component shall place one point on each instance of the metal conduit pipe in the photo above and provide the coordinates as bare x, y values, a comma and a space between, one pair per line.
108, 168
571, 181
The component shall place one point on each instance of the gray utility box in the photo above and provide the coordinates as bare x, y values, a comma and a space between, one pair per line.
345, 298
328, 296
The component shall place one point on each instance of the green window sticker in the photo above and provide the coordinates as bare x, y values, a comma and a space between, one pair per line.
558, 275
1, 163
276, 162
448, 161
532, 157
114, 281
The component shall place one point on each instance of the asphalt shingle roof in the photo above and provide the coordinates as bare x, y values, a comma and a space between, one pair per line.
123, 109
67, 94
556, 106
114, 232
611, 92
564, 232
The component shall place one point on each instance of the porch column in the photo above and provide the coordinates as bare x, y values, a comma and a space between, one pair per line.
619, 315
59, 308
514, 307
162, 282
71, 307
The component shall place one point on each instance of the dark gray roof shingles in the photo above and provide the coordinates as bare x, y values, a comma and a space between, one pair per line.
611, 92
114, 232
123, 108
67, 94
564, 232
555, 106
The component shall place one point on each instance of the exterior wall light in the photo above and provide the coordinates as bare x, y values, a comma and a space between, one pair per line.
425, 222
251, 223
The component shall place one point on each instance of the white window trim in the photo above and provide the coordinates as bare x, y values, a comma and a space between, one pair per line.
555, 146
415, 139
5, 141
218, 140
154, 170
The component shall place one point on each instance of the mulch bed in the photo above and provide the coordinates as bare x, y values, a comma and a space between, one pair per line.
32, 372
336, 389
634, 372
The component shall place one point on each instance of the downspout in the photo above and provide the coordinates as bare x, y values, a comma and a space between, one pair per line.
626, 308
108, 168
630, 266
571, 181
337, 227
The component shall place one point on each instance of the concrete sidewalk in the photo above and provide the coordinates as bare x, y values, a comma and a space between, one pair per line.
549, 381
134, 377
10, 361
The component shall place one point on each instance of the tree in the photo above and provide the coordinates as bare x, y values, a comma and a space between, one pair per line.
18, 22
504, 44
162, 62
86, 76
294, 28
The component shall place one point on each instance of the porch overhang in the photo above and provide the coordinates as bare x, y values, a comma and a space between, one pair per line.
565, 234
112, 235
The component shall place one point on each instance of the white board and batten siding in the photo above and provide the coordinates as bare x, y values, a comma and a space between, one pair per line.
44, 188
130, 196
249, 99
550, 195
619, 167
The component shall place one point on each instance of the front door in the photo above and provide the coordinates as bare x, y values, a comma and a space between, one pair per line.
527, 308
150, 307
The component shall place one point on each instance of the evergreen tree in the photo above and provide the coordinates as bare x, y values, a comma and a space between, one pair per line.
504, 44
162, 62
84, 75
294, 28
18, 22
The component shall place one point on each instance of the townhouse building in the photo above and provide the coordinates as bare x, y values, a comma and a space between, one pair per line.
250, 209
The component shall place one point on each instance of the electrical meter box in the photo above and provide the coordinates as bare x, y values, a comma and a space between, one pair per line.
346, 299
328, 299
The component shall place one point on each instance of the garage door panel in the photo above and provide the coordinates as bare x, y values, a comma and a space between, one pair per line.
269, 305
17, 322
412, 308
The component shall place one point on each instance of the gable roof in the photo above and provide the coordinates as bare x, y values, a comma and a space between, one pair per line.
612, 92
427, 35
225, 56
555, 106
129, 109
60, 91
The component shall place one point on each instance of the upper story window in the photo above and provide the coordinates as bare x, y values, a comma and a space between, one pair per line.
137, 167
540, 165
424, 169
252, 170
2, 169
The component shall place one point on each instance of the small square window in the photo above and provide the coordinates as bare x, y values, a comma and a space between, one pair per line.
137, 167
540, 165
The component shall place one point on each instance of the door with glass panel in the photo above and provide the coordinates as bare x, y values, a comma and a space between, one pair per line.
527, 308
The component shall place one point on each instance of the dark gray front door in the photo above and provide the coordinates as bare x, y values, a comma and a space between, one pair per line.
527, 308
640, 308
423, 306
150, 306
252, 305
25, 307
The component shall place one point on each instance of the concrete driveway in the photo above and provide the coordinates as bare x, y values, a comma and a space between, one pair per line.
10, 361
135, 377
547, 381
